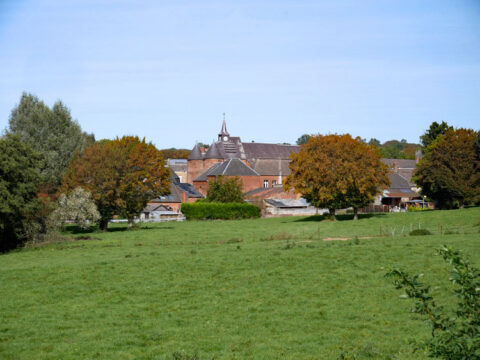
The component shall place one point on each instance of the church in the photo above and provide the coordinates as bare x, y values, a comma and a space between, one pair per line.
258, 165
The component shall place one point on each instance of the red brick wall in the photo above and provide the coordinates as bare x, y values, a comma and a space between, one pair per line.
194, 169
201, 186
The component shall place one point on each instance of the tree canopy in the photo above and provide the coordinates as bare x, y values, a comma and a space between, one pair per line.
433, 132
19, 178
302, 140
122, 175
225, 190
337, 171
449, 173
52, 133
174, 153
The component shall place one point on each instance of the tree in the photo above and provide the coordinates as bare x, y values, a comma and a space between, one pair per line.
302, 140
19, 178
337, 171
455, 335
449, 173
50, 132
225, 190
78, 206
122, 175
433, 132
174, 153
374, 142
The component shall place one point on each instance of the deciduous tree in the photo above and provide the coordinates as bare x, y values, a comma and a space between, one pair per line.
122, 175
52, 133
337, 171
433, 132
78, 206
302, 140
225, 190
449, 173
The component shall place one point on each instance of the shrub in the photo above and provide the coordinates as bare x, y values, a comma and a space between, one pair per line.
225, 190
226, 211
417, 232
456, 334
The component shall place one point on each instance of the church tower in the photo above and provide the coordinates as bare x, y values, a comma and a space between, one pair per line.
224, 136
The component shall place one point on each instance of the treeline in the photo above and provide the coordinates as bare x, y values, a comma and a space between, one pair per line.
51, 171
391, 149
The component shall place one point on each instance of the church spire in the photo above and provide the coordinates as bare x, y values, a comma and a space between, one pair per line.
224, 135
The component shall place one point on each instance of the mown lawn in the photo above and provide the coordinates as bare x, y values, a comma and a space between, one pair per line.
249, 289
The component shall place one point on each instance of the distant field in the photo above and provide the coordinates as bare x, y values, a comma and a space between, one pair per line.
247, 289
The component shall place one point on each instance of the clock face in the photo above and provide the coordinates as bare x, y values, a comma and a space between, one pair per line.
225, 138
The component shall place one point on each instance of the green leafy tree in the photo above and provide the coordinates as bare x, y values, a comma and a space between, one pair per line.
433, 132
449, 173
455, 335
52, 133
122, 175
78, 207
302, 140
19, 178
225, 190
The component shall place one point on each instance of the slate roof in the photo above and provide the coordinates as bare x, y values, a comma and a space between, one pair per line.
399, 187
271, 166
287, 203
231, 167
213, 152
196, 153
269, 151
401, 163
190, 190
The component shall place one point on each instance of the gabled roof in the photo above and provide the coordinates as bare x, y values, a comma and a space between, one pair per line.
401, 163
189, 189
271, 166
196, 153
269, 151
231, 167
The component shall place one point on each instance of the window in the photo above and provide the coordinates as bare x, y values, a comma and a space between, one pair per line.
265, 183
274, 182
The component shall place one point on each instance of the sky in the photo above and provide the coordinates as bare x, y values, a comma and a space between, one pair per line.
168, 70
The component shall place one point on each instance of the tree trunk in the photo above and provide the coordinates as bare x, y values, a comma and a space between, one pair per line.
131, 223
460, 204
103, 224
316, 210
355, 213
332, 214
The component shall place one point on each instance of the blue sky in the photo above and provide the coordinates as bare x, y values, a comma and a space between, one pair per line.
167, 70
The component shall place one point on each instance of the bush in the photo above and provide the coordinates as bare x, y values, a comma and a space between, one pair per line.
417, 232
455, 334
227, 211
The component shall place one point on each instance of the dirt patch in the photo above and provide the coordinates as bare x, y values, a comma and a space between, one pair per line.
335, 239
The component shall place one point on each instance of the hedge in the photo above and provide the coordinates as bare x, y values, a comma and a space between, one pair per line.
227, 211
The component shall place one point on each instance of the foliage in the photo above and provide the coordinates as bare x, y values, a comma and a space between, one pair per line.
433, 132
52, 133
420, 232
174, 153
449, 173
122, 175
337, 171
78, 206
226, 211
302, 140
19, 178
395, 149
454, 335
225, 190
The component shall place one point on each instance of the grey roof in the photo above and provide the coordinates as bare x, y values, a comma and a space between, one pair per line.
269, 151
287, 203
154, 207
190, 190
397, 181
271, 166
231, 167
172, 197
196, 153
401, 163
213, 152
224, 129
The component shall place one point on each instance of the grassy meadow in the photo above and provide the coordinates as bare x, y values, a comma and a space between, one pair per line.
283, 288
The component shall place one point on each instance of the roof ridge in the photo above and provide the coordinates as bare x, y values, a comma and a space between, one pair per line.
226, 167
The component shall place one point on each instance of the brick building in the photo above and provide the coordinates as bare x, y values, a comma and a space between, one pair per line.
259, 165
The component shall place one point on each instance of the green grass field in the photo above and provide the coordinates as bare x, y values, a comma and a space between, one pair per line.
247, 289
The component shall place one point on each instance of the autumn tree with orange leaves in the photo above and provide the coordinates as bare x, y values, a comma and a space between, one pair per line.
122, 175
337, 171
